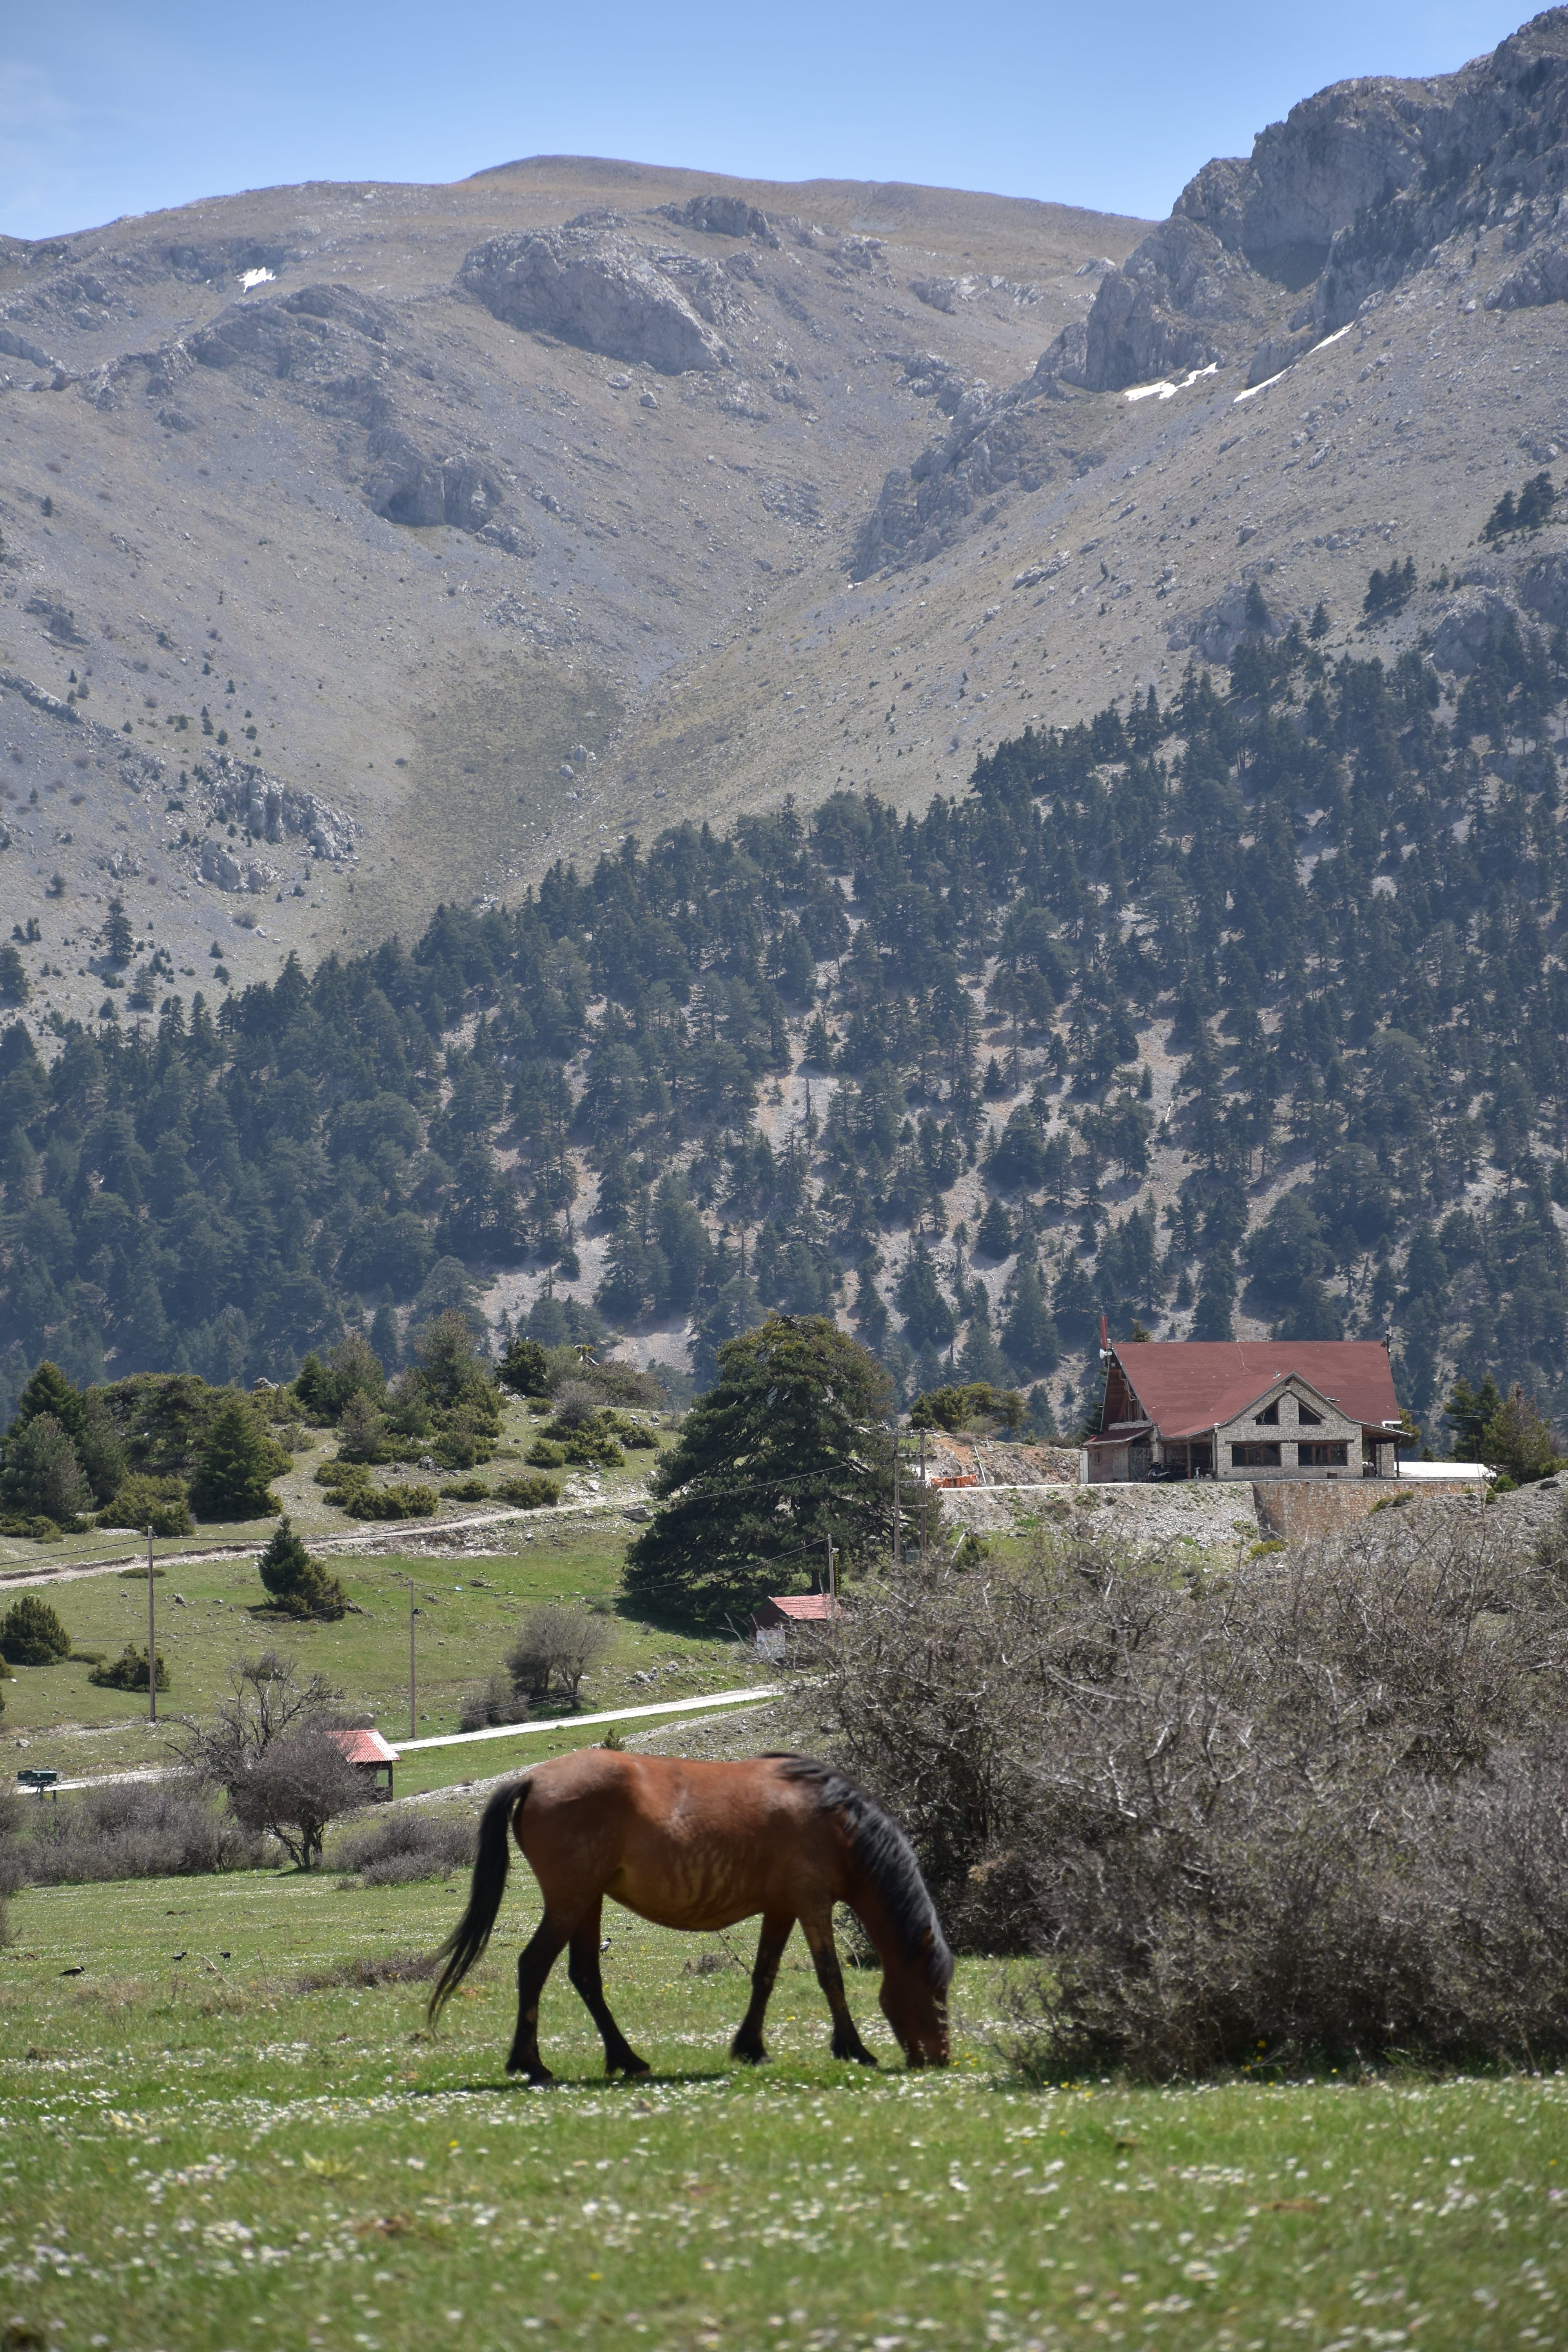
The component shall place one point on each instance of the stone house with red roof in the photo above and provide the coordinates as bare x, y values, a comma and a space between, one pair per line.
1243, 1409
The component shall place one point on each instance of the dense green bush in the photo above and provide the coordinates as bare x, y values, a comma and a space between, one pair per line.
162, 1504
528, 1494
399, 1501
43, 1477
128, 1672
235, 1459
297, 1585
31, 1635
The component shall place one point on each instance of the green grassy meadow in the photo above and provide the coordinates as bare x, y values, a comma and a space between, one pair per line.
214, 2133
199, 2150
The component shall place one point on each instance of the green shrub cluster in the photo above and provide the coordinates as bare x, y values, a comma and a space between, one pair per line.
297, 1585
128, 1672
528, 1494
410, 1500
31, 1635
162, 1504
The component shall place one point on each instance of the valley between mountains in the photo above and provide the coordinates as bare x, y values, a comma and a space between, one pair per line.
375, 550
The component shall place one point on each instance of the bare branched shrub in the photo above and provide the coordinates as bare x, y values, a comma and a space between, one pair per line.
270, 1747
297, 1788
165, 1828
575, 1403
1315, 1805
558, 1645
404, 1842
496, 1702
266, 1698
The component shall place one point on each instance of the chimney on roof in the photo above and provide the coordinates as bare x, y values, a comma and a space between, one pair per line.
1104, 1337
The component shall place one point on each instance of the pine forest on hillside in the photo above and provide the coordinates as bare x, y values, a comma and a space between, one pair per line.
1325, 901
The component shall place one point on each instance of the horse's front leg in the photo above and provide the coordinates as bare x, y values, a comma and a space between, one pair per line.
748, 2044
534, 1964
583, 1968
846, 2043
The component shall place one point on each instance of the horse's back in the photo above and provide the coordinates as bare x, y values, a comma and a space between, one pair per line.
687, 1842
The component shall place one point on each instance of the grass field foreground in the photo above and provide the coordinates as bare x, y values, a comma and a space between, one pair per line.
216, 2138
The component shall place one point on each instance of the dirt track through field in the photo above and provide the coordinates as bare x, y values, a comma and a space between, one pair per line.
414, 1545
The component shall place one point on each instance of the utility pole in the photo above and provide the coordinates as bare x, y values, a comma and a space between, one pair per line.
897, 1503
152, 1640
924, 1501
832, 1582
413, 1720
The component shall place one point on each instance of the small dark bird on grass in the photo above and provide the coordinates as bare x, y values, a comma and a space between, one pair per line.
73, 1972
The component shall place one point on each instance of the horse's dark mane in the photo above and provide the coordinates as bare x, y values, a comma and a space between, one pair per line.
888, 1859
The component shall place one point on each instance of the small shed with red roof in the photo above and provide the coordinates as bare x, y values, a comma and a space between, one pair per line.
1259, 1409
368, 1752
784, 1613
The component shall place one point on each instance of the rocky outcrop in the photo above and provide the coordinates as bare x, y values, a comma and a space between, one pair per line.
1493, 150
590, 284
13, 346
218, 864
408, 486
1460, 637
58, 619
1542, 277
1359, 184
1543, 587
996, 443
272, 811
1181, 299
1353, 146
720, 216
1242, 609
285, 335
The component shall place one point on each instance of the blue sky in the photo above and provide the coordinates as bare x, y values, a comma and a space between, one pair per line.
128, 107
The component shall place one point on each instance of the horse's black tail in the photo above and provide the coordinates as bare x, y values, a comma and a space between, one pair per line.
468, 1939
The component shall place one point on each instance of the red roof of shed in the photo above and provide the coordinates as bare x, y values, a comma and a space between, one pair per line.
364, 1747
1188, 1386
805, 1608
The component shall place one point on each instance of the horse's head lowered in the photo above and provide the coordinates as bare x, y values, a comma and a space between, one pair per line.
913, 2000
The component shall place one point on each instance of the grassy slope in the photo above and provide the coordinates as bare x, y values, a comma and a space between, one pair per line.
470, 1611
199, 2153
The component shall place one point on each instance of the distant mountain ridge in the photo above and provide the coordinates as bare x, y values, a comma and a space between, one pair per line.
660, 546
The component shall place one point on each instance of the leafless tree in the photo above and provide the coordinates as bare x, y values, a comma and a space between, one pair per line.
300, 1784
267, 1699
558, 1644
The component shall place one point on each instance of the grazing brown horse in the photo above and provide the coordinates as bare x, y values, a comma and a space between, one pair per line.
700, 1846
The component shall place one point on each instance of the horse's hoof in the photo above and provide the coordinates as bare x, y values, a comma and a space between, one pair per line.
633, 2068
749, 2053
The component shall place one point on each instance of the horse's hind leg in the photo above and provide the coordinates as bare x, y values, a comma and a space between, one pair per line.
748, 2044
584, 1968
534, 1964
846, 2043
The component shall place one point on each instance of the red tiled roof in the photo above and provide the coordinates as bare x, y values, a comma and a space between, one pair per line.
364, 1747
1188, 1386
805, 1608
